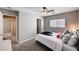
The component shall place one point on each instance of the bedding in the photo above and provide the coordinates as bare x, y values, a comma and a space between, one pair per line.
65, 32
66, 38
47, 33
50, 41
56, 41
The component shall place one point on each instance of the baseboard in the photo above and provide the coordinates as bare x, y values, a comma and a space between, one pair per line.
26, 40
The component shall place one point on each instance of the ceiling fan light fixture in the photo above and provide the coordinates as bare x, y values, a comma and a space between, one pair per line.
44, 13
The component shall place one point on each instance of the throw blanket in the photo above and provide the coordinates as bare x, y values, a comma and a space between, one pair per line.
46, 33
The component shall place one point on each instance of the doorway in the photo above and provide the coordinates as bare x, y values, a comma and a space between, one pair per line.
38, 26
9, 27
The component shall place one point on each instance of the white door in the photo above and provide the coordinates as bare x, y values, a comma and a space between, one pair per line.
1, 26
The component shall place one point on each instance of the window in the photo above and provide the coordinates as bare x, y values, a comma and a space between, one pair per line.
57, 23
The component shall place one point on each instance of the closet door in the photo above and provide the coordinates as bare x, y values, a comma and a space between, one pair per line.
13, 25
1, 26
6, 24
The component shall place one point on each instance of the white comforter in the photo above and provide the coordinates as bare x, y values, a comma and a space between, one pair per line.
50, 41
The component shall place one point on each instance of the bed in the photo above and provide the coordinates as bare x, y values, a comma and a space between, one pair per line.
52, 42
5, 45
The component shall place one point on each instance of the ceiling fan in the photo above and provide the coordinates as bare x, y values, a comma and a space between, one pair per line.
46, 10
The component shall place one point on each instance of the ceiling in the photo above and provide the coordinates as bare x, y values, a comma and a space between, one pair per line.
36, 10
57, 9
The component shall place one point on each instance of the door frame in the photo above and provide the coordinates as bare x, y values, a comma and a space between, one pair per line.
16, 25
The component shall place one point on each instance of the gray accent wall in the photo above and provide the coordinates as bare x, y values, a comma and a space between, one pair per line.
78, 19
71, 21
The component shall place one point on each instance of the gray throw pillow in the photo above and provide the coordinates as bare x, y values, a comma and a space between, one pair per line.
66, 38
77, 32
73, 40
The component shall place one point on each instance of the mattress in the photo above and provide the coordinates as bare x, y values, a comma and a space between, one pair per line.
50, 41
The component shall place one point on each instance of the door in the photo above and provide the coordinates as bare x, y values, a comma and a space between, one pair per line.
9, 27
1, 26
38, 26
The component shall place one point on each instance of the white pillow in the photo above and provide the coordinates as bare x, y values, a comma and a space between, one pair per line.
72, 41
65, 32
66, 38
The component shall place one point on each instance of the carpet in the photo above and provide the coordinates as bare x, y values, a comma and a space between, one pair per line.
29, 45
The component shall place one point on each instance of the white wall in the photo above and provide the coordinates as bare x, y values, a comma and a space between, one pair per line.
1, 26
27, 25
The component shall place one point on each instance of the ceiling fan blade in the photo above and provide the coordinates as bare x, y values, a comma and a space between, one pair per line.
50, 10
